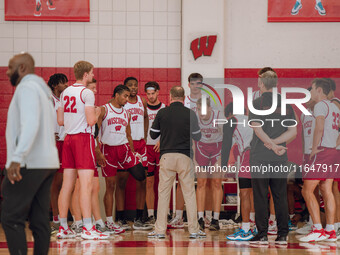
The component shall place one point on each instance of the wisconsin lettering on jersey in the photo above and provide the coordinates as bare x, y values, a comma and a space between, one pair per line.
116, 121
135, 112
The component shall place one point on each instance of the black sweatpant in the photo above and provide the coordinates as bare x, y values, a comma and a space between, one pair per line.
27, 199
278, 185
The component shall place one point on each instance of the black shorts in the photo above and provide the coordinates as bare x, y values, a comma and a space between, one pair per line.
244, 183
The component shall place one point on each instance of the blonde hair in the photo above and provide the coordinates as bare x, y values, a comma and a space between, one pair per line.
80, 68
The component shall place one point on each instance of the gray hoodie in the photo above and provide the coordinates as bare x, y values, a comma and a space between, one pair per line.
30, 126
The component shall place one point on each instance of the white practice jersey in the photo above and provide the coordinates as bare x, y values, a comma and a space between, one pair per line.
73, 100
243, 134
211, 134
308, 131
136, 111
113, 128
152, 115
190, 103
59, 130
332, 117
338, 100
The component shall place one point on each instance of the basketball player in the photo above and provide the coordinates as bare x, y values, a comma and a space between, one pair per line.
152, 147
136, 107
318, 7
38, 7
242, 135
207, 152
323, 152
58, 83
78, 115
336, 101
118, 150
76, 212
308, 122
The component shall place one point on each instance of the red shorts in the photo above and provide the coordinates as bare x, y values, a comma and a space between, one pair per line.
60, 153
324, 165
306, 158
337, 158
118, 157
206, 154
244, 171
153, 159
79, 152
140, 147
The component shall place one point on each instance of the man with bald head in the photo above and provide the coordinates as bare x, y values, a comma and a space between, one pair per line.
177, 126
32, 158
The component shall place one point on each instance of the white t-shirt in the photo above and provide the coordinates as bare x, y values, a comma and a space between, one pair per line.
73, 100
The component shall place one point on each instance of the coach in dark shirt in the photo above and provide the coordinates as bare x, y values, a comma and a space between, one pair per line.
268, 151
176, 125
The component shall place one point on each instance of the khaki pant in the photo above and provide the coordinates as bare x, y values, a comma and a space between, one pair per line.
170, 165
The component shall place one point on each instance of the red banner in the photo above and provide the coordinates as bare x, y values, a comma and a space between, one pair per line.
303, 11
47, 10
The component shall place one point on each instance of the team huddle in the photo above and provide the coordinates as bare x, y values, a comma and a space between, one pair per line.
115, 138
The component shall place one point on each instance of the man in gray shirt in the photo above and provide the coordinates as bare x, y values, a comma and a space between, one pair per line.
32, 158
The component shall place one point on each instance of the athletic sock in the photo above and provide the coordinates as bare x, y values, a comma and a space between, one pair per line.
208, 214
151, 212
139, 214
245, 226
79, 223
87, 223
63, 223
252, 216
317, 226
120, 215
179, 214
216, 215
100, 222
336, 226
310, 222
200, 215
272, 217
329, 227
109, 219
291, 216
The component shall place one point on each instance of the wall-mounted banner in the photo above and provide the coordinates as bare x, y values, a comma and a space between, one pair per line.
47, 10
303, 11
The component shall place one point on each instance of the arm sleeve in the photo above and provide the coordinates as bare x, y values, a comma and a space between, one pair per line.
195, 130
88, 97
227, 142
321, 109
155, 130
29, 107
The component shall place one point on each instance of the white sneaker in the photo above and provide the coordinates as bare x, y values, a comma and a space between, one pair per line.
272, 228
314, 236
199, 234
114, 228
307, 228
176, 223
93, 234
65, 234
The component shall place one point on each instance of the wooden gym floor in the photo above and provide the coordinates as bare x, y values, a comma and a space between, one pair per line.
177, 242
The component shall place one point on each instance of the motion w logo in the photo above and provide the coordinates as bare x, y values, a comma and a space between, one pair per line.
203, 46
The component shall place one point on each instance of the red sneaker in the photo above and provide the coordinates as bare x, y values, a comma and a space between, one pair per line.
37, 10
331, 236
50, 5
